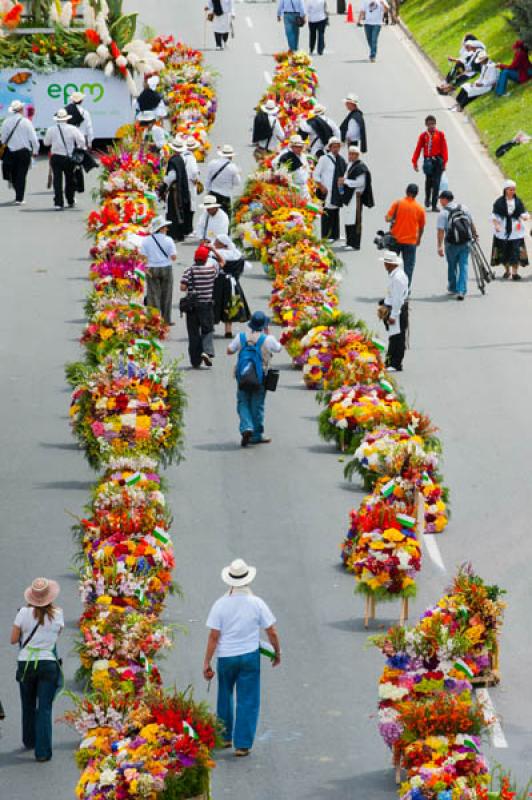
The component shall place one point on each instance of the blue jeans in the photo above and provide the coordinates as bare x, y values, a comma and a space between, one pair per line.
38, 685
372, 35
291, 28
507, 75
250, 407
242, 672
457, 262
408, 252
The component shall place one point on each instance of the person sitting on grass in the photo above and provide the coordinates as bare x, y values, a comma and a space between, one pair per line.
465, 66
485, 83
519, 71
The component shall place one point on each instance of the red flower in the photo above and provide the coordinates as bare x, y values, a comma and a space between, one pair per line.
93, 36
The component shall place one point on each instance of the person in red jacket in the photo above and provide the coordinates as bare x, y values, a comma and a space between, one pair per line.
519, 71
433, 144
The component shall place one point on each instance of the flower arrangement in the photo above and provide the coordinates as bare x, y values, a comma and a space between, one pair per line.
116, 326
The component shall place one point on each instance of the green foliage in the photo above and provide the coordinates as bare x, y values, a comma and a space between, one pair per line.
383, 595
439, 27
521, 19
192, 782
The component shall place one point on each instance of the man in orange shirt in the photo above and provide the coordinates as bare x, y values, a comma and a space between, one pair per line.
407, 218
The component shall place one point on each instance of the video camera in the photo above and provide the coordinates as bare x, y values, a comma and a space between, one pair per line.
385, 241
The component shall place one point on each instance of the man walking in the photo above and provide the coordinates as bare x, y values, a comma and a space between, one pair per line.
18, 134
407, 218
80, 117
198, 282
223, 177
254, 355
318, 129
292, 12
372, 17
395, 310
456, 231
63, 139
433, 144
235, 622
358, 192
160, 251
353, 128
329, 169
176, 189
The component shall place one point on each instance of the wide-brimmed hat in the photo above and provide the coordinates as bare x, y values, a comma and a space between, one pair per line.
158, 223
318, 110
258, 321
238, 573
389, 257
178, 144
62, 115
15, 106
270, 106
354, 148
210, 201
334, 140
296, 140
226, 151
191, 143
509, 184
77, 97
146, 116
42, 592
352, 98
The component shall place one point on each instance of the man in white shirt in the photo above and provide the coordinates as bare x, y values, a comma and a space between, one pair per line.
318, 129
353, 128
80, 117
235, 622
293, 159
397, 302
19, 135
329, 169
159, 251
193, 175
372, 16
267, 130
153, 132
212, 221
223, 177
63, 139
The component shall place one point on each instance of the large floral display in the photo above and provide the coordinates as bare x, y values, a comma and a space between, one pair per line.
138, 741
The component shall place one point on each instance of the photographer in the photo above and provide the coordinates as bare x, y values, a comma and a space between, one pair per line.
198, 283
407, 218
393, 310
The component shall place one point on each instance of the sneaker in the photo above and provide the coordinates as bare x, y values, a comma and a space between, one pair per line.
348, 247
460, 297
58, 208
331, 241
20, 202
394, 369
207, 360
72, 205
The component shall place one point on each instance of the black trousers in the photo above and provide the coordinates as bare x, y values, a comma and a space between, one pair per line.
432, 186
188, 221
220, 38
224, 201
330, 223
317, 31
62, 167
19, 164
200, 325
397, 343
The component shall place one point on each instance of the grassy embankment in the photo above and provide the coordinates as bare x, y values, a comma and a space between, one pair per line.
439, 26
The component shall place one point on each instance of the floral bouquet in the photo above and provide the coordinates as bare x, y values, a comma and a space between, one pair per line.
118, 326
127, 158
300, 291
121, 211
355, 346
353, 409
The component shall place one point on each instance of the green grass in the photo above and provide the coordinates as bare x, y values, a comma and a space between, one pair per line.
439, 26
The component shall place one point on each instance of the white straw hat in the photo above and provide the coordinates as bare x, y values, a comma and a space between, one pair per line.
270, 106
210, 201
296, 139
389, 257
42, 592
178, 144
191, 143
153, 82
353, 148
158, 223
77, 97
318, 110
226, 151
238, 573
62, 115
146, 116
333, 140
15, 106
351, 98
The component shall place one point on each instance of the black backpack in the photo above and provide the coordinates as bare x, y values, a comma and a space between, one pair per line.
458, 227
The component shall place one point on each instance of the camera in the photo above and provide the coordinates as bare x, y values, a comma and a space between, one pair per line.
385, 241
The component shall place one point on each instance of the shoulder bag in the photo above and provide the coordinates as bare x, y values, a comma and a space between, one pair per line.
3, 147
190, 301
271, 379
77, 156
300, 21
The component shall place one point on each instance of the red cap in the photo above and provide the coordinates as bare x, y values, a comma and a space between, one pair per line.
202, 254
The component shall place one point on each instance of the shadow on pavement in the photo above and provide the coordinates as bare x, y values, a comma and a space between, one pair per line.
59, 446
378, 785
217, 448
80, 486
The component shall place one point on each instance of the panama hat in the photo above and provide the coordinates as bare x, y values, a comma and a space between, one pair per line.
353, 148
226, 151
178, 145
270, 106
296, 140
42, 592
352, 98
389, 257
146, 116
318, 110
62, 115
238, 573
158, 223
191, 143
77, 97
15, 106
210, 201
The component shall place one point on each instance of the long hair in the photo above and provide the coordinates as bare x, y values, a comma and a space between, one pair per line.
41, 612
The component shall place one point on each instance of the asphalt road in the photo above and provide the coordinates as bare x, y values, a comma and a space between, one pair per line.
285, 507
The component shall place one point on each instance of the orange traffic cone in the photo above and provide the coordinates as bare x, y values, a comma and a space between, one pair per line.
349, 16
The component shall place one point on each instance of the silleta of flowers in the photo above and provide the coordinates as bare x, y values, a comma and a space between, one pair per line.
127, 415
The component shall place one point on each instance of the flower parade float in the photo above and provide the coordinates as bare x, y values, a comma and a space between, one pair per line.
138, 741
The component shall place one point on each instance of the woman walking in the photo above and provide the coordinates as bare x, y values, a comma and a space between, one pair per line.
509, 217
221, 13
230, 304
318, 19
36, 629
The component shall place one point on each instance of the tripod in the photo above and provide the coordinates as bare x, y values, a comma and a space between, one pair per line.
481, 266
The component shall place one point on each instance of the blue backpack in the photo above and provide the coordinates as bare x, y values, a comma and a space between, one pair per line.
249, 369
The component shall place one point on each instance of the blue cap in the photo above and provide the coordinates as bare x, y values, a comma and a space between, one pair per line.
258, 321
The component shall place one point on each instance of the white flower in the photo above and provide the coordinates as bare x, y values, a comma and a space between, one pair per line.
103, 52
108, 777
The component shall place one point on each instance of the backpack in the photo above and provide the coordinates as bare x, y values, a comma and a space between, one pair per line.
458, 227
249, 369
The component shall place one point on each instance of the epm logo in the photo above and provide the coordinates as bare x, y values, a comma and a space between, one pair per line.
93, 90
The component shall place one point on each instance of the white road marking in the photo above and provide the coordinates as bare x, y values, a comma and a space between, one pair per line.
267, 77
258, 48
498, 738
249, 22
433, 550
425, 71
